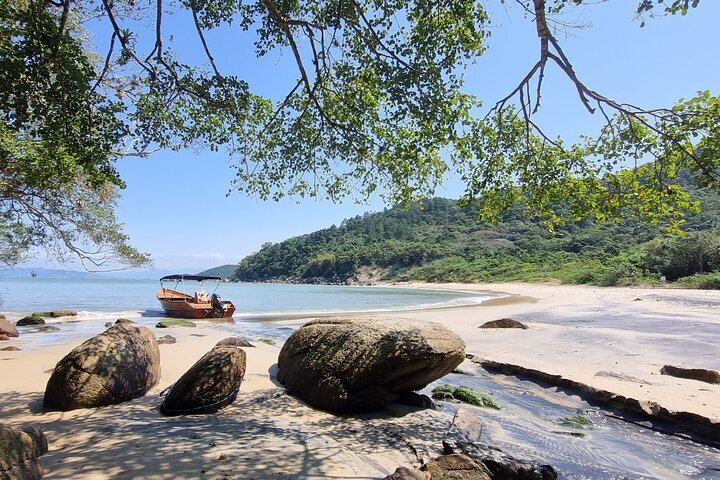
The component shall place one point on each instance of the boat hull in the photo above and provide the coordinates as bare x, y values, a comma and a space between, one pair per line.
180, 305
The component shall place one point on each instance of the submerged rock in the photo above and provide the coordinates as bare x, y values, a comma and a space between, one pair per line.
8, 329
117, 365
57, 313
504, 323
19, 450
346, 365
456, 467
211, 384
33, 319
174, 323
700, 374
48, 328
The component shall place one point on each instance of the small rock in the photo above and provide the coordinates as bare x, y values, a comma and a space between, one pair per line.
10, 348
4, 337
456, 467
109, 324
174, 323
166, 340
412, 399
48, 328
700, 374
123, 321
234, 342
222, 457
33, 319
8, 329
404, 473
504, 323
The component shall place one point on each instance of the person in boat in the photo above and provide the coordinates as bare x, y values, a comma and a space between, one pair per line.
217, 305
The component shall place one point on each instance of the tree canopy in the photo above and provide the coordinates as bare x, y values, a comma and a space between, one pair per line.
378, 104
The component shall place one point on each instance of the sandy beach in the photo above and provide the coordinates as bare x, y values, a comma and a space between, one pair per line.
615, 339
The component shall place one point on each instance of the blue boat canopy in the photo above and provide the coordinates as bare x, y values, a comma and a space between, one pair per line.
185, 276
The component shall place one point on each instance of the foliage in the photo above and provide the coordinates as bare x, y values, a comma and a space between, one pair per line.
379, 104
442, 242
58, 185
707, 281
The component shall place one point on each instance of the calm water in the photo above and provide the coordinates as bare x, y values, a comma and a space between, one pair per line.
94, 297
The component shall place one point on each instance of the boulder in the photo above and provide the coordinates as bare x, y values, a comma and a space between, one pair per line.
504, 323
211, 384
19, 450
166, 340
234, 342
8, 329
700, 374
117, 365
33, 319
345, 365
456, 467
174, 323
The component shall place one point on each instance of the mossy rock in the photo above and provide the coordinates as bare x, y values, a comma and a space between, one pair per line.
267, 341
33, 319
466, 395
576, 421
174, 323
125, 321
57, 313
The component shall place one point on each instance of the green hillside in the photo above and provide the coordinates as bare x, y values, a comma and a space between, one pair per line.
223, 271
443, 242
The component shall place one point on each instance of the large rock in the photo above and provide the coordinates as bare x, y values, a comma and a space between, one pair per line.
345, 365
504, 323
211, 384
117, 365
8, 329
19, 450
234, 342
456, 467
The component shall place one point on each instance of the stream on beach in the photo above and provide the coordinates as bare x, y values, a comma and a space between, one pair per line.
526, 427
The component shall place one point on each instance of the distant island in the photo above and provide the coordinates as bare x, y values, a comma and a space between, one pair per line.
441, 242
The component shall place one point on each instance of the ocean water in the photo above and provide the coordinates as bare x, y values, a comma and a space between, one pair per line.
102, 297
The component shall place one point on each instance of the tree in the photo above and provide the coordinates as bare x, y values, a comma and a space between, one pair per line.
378, 105
57, 182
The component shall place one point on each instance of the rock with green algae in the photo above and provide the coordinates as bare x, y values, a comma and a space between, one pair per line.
465, 395
33, 319
576, 421
174, 323
267, 341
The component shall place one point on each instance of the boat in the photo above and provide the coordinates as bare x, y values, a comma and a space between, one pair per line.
199, 305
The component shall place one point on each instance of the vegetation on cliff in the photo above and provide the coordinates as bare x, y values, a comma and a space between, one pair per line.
441, 241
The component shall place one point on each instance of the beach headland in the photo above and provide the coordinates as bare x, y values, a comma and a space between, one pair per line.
612, 339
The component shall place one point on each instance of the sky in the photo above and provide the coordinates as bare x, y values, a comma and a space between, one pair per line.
176, 206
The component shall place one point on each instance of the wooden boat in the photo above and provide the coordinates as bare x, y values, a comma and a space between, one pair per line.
200, 305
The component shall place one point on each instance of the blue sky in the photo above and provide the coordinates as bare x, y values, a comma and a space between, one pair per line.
175, 205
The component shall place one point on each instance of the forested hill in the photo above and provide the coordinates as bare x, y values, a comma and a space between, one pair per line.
443, 242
